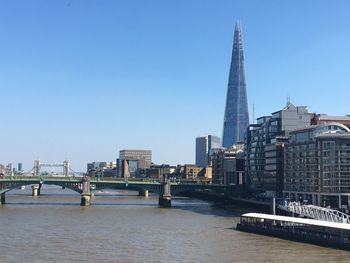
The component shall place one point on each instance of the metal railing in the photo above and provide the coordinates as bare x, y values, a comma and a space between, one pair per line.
316, 212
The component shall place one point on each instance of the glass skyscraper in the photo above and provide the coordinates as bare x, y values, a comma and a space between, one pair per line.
204, 146
236, 118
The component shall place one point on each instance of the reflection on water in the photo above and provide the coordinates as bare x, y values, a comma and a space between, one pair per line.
123, 227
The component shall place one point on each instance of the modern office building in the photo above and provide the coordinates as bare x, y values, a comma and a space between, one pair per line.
130, 161
228, 165
204, 145
20, 167
144, 157
317, 165
236, 118
265, 142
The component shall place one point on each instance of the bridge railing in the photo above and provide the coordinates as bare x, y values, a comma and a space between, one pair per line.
173, 181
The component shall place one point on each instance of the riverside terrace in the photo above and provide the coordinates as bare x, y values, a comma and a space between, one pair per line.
87, 186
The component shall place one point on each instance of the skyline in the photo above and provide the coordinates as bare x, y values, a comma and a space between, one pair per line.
68, 70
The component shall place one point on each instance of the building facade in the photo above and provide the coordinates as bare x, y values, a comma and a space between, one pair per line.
317, 165
20, 167
130, 161
228, 166
144, 157
102, 169
192, 171
265, 142
204, 146
157, 171
236, 118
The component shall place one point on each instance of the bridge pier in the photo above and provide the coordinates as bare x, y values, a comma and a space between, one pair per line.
164, 201
39, 189
35, 190
86, 195
143, 193
2, 199
165, 196
85, 199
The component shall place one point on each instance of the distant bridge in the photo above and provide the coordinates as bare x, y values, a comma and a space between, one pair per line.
36, 170
87, 186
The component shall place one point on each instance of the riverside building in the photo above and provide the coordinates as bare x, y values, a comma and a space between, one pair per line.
265, 142
317, 165
228, 165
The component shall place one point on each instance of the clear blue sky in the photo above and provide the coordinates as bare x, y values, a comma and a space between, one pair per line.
83, 79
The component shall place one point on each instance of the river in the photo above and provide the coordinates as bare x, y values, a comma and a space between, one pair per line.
122, 227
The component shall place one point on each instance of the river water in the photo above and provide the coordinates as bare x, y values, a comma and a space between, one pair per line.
122, 227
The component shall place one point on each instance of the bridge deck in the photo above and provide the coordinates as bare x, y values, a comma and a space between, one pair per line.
74, 183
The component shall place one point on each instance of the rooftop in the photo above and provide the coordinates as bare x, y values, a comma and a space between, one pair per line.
314, 127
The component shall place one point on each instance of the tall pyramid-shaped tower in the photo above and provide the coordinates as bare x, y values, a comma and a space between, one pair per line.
236, 118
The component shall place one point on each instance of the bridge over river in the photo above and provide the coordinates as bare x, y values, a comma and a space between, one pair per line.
87, 186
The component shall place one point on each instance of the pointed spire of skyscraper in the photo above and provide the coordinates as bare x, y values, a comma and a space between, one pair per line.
236, 118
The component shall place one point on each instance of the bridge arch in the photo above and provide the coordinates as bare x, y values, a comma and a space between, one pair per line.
66, 185
132, 187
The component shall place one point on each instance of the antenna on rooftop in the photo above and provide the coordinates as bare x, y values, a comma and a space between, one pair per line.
288, 100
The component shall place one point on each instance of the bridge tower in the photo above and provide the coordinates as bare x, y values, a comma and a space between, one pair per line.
37, 167
66, 168
165, 196
86, 194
